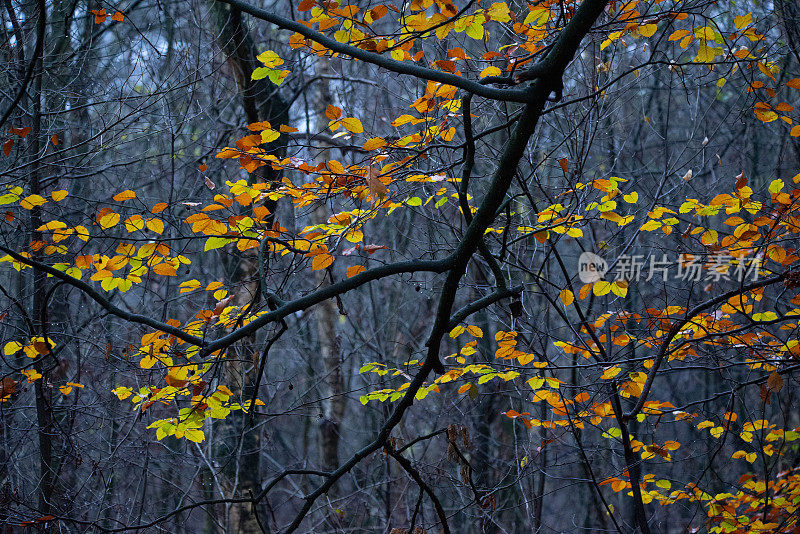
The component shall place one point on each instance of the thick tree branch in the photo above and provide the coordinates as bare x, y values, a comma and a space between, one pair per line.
399, 67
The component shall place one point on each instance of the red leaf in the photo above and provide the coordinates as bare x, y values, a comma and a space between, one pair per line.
7, 147
372, 248
22, 132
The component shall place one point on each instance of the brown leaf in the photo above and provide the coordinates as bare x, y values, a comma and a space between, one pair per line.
376, 187
198, 387
209, 184
221, 305
775, 382
7, 387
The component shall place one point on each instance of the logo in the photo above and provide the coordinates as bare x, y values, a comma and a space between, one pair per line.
591, 268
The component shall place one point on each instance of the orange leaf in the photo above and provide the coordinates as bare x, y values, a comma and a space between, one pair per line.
54, 139
332, 112
321, 261
118, 16
374, 143
165, 269
125, 195
158, 208
354, 270
100, 15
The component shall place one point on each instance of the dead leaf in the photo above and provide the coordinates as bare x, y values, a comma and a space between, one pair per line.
775, 382
376, 187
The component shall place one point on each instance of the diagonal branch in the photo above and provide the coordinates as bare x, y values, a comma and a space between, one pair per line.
399, 67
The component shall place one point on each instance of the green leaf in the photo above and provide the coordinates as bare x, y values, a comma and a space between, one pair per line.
260, 73
216, 242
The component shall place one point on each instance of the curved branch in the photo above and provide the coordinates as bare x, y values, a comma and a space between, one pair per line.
506, 95
104, 302
678, 326
414, 474
343, 286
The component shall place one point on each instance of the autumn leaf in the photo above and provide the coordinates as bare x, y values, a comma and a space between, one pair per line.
376, 186
125, 195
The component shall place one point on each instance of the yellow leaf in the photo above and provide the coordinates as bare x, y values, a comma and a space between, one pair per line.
352, 124
490, 71
12, 347
620, 288
601, 288
52, 225
59, 195
134, 223
474, 331
125, 195
567, 297
457, 331
268, 136
677, 35
189, 285
108, 220
31, 201
709, 237
32, 374
742, 20
631, 198
648, 30
610, 373
155, 225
